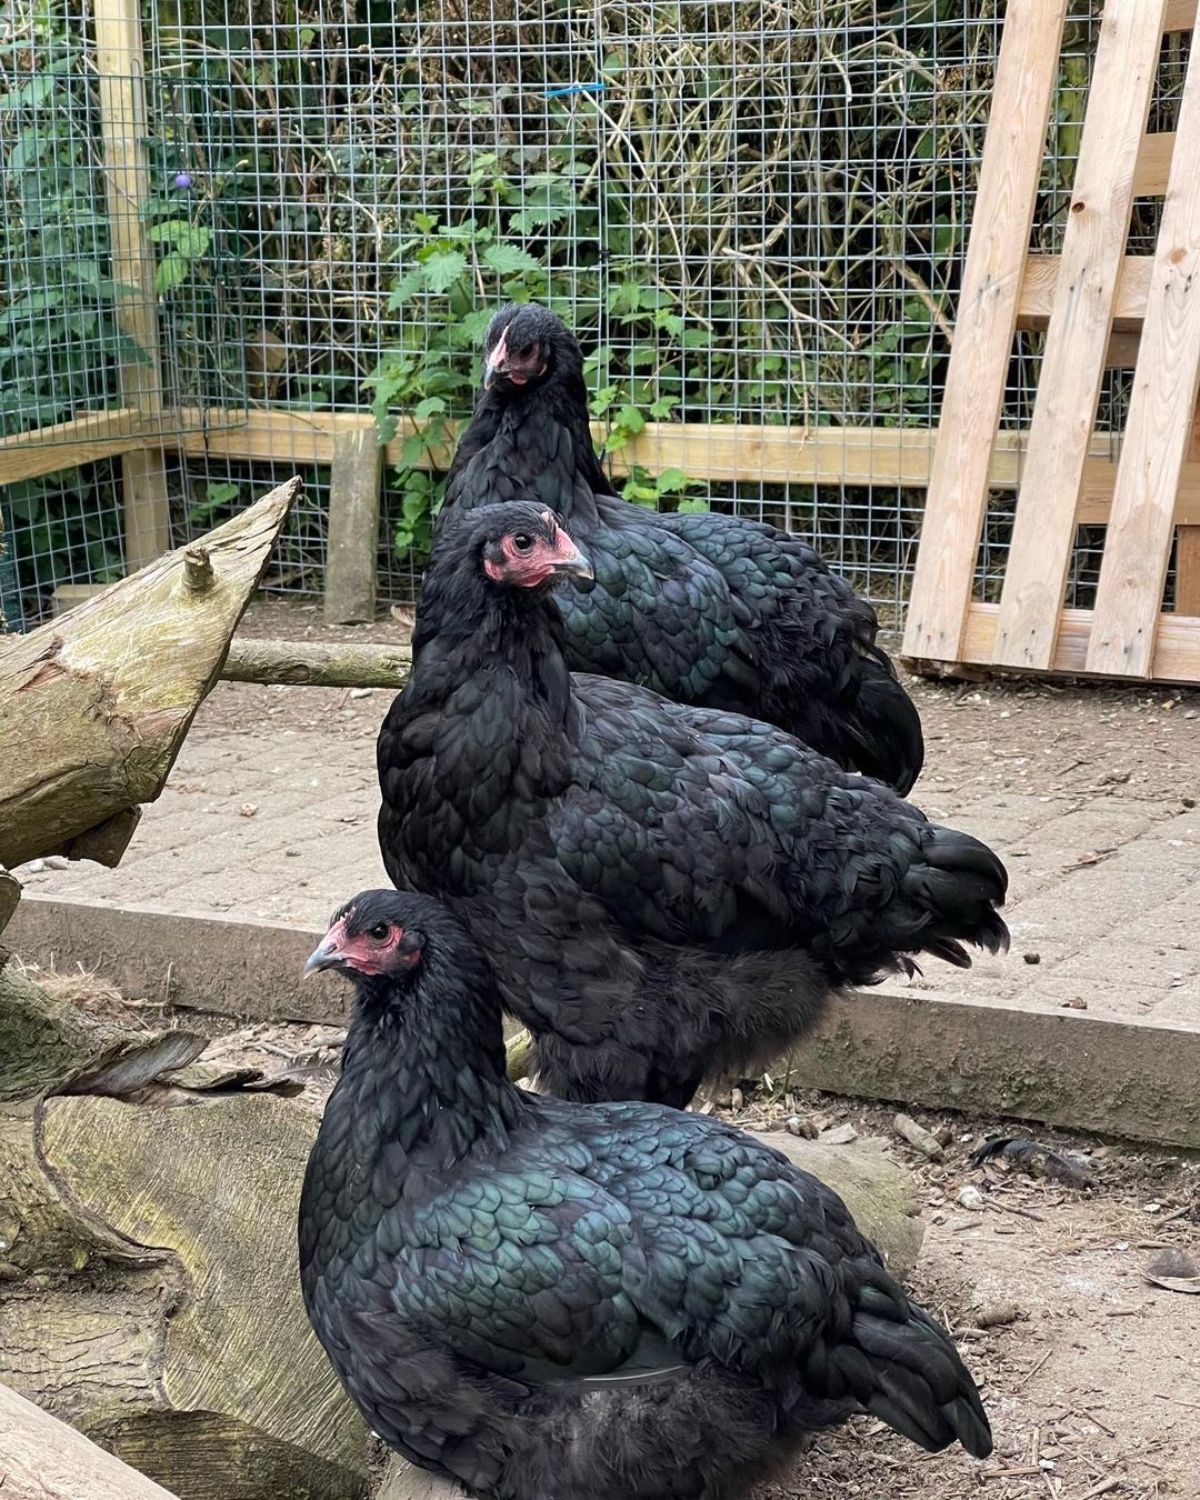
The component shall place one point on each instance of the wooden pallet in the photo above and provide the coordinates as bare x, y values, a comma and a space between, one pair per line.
1100, 307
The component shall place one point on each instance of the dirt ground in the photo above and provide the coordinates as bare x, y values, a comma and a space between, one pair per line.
1094, 1387
1044, 737
1092, 1379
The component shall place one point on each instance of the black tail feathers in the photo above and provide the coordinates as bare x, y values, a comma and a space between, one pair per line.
904, 1369
884, 727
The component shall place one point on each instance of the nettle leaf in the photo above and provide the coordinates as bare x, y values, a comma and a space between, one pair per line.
510, 260
443, 268
406, 288
169, 231
172, 272
671, 481
432, 406
630, 419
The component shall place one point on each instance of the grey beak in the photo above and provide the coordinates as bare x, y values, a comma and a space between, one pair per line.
570, 562
324, 957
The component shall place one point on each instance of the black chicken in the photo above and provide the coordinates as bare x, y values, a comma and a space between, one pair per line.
709, 609
664, 891
553, 1301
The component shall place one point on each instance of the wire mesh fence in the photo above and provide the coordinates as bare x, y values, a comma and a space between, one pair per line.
752, 215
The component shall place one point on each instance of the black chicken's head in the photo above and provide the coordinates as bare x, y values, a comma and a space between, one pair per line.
380, 934
519, 545
523, 344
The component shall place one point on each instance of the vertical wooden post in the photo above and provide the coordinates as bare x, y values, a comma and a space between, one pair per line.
353, 550
120, 64
974, 397
1159, 426
1077, 342
1187, 547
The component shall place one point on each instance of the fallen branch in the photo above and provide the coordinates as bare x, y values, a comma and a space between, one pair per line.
346, 664
148, 1218
94, 706
42, 1458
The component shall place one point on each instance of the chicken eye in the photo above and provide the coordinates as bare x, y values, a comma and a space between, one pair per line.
522, 542
379, 931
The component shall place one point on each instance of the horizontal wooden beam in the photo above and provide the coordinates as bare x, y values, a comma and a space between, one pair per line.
66, 445
1180, 15
1176, 647
1153, 164
723, 452
1069, 1068
1014, 1058
1041, 279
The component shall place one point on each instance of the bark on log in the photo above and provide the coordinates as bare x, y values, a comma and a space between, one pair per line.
42, 1458
94, 706
344, 664
880, 1195
10, 894
147, 1257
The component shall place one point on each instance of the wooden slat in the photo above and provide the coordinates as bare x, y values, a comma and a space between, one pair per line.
1159, 426
66, 445
352, 556
1176, 647
1180, 15
1039, 285
1100, 480
1153, 164
867, 456
1080, 323
1187, 570
1026, 73
120, 68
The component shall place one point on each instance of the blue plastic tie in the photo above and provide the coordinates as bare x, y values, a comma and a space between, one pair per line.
574, 88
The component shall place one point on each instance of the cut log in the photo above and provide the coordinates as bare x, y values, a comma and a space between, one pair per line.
345, 664
94, 706
10, 894
879, 1194
42, 1458
148, 1260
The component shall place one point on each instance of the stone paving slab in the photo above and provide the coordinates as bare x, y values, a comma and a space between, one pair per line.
277, 825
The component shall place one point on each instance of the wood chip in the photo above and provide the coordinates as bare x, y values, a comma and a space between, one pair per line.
916, 1135
1103, 1488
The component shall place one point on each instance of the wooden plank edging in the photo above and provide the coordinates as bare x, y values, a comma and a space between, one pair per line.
1069, 1068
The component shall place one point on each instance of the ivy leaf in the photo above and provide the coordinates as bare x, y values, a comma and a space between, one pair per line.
443, 268
510, 260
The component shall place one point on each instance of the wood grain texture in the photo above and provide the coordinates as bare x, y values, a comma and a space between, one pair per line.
241, 1344
314, 664
10, 895
1187, 570
1012, 161
1154, 164
1073, 363
1176, 645
94, 706
352, 554
42, 1458
120, 66
1158, 430
1180, 15
1039, 287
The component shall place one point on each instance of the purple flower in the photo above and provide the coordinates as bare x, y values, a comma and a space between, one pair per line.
183, 180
